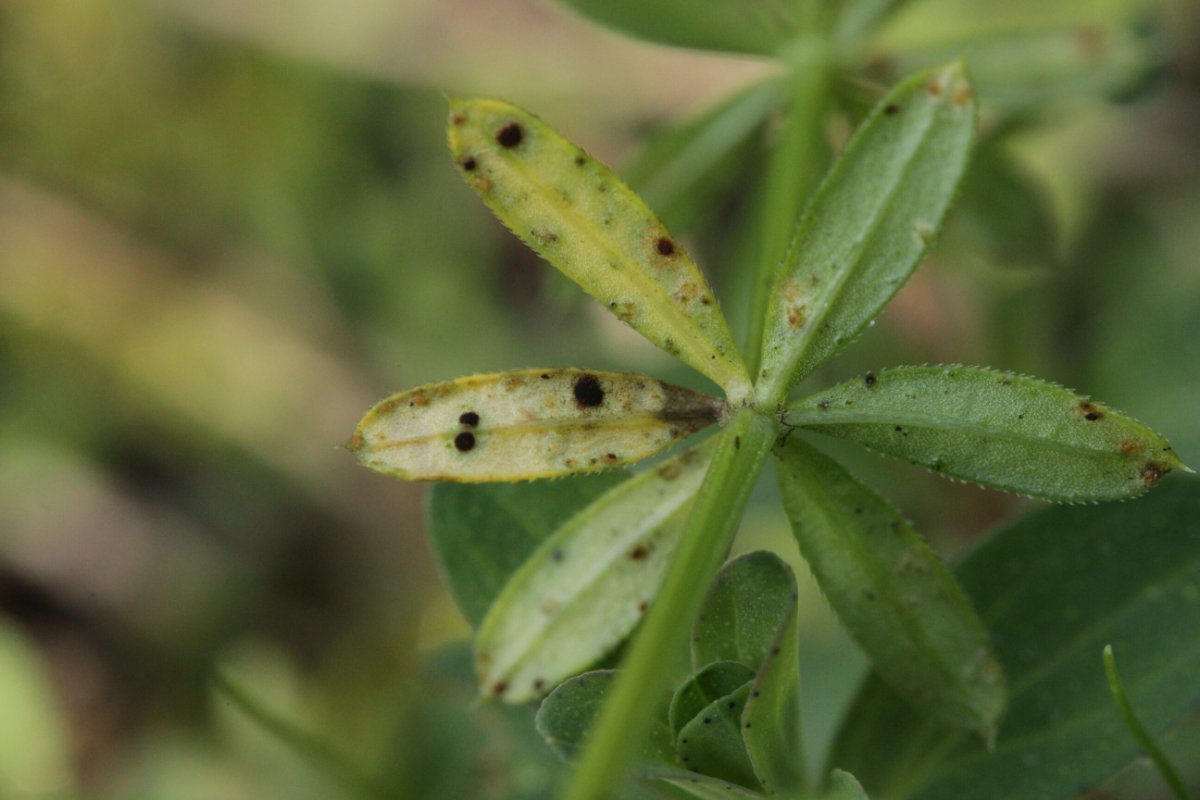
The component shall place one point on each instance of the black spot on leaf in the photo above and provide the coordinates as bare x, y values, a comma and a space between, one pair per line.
510, 135
468, 163
588, 392
469, 419
665, 246
464, 442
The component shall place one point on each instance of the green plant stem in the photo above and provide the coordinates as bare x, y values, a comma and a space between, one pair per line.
313, 751
708, 532
793, 169
1140, 734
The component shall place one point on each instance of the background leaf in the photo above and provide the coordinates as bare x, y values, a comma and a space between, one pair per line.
868, 225
1021, 71
482, 533
892, 592
741, 26
1054, 589
997, 429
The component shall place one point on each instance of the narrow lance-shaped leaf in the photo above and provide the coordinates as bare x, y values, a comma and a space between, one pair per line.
481, 533
868, 225
891, 591
993, 428
575, 213
527, 424
740, 26
584, 588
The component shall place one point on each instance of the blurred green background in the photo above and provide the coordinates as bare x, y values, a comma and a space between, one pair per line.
226, 229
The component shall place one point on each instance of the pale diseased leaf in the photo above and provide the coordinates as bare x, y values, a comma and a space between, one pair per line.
578, 215
1026, 70
740, 26
482, 533
584, 588
893, 594
527, 424
1054, 589
870, 222
993, 428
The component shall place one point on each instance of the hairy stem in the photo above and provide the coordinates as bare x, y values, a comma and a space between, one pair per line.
710, 527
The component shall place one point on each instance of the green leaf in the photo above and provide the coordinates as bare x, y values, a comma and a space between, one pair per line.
575, 213
583, 590
565, 718
891, 591
482, 533
844, 786
1053, 589
740, 26
750, 616
751, 600
711, 682
859, 17
566, 715
682, 169
532, 423
1025, 70
997, 429
711, 742
868, 225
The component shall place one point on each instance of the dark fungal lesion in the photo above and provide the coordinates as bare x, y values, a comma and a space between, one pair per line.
510, 135
464, 442
588, 391
665, 246
469, 163
1089, 411
469, 419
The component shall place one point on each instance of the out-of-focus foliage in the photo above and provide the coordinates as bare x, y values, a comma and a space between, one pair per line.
226, 229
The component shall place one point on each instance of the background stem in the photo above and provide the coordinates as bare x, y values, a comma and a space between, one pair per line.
709, 530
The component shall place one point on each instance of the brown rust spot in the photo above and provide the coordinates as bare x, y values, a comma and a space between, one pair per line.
1129, 447
458, 118
962, 94
891, 109
355, 443
639, 553
610, 458
935, 87
687, 292
797, 316
538, 685
1090, 412
499, 688
642, 606
665, 246
418, 399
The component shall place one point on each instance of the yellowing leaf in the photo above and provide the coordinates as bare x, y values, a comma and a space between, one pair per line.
527, 424
578, 215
